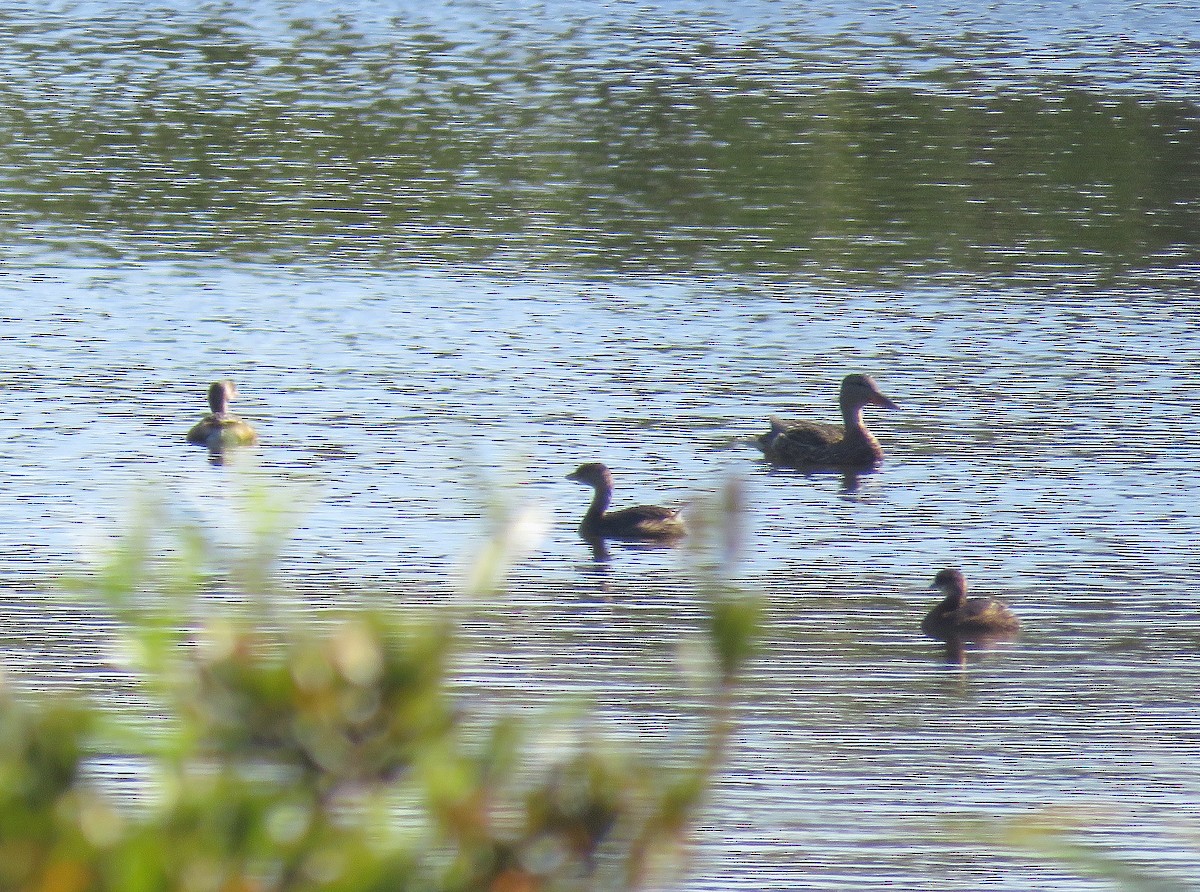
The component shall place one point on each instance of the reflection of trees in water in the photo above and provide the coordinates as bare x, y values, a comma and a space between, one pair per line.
317, 140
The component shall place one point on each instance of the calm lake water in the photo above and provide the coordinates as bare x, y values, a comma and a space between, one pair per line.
442, 247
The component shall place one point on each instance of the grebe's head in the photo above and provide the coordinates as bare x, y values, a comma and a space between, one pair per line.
950, 582
593, 474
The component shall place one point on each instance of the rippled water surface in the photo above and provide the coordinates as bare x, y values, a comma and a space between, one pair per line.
445, 247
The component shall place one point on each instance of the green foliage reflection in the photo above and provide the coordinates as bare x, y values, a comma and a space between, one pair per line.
318, 142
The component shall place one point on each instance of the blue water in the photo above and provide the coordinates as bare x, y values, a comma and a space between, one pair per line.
414, 348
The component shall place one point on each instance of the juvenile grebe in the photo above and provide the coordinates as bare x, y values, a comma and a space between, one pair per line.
959, 616
222, 429
641, 522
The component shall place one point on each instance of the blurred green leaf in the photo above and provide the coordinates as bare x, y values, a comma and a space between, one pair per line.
734, 622
288, 754
1057, 834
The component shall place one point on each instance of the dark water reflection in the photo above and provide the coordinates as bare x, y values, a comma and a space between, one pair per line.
428, 241
686, 137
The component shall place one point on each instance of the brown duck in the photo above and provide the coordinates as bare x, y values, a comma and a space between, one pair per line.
812, 444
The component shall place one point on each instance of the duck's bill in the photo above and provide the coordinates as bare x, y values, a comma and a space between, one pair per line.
878, 399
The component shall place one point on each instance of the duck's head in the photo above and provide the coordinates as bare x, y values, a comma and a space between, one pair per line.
220, 395
593, 474
950, 582
861, 390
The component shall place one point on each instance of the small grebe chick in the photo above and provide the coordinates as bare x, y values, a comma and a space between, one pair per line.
222, 429
961, 617
647, 522
812, 444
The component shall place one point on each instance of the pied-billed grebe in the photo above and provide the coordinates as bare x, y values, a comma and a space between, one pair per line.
647, 522
222, 429
962, 617
811, 444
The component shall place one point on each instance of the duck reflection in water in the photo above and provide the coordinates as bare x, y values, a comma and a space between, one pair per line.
814, 445
221, 429
958, 646
602, 554
851, 478
642, 523
961, 621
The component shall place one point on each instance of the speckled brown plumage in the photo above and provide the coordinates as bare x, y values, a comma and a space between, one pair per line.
812, 444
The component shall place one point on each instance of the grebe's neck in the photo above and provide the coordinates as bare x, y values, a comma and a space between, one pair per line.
220, 394
956, 594
218, 401
601, 496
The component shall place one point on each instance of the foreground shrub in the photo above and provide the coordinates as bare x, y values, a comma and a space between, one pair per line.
287, 757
